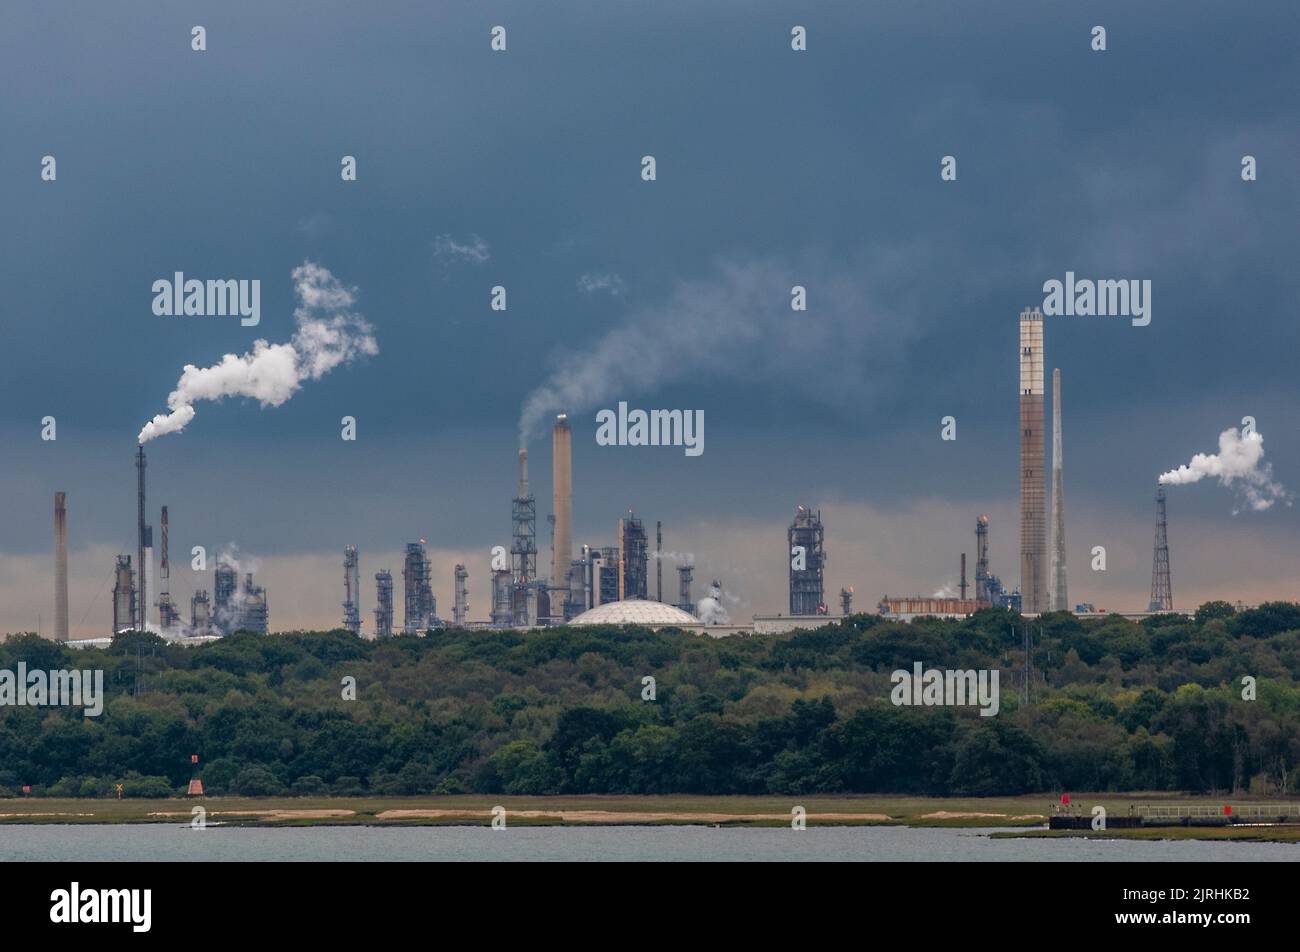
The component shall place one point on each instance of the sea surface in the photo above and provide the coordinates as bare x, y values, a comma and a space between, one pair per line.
156, 841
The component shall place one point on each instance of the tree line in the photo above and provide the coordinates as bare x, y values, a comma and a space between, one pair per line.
1113, 705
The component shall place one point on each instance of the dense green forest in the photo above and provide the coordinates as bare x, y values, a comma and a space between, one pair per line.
1114, 705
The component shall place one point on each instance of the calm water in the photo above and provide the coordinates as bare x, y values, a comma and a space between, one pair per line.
315, 844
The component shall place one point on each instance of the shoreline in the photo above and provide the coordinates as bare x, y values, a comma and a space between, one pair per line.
1024, 816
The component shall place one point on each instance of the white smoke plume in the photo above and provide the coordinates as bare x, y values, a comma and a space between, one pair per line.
710, 608
240, 562
226, 618
681, 558
176, 632
945, 591
329, 334
738, 323
1239, 465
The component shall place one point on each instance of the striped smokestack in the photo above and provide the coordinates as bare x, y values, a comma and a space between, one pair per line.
60, 567
1033, 483
562, 499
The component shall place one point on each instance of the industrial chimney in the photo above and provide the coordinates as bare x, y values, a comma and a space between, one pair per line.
60, 567
143, 541
1033, 486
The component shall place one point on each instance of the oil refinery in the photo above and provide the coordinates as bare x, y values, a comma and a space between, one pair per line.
585, 579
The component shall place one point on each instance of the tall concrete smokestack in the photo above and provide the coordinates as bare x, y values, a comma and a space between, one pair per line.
60, 567
1033, 487
1060, 595
562, 500
142, 543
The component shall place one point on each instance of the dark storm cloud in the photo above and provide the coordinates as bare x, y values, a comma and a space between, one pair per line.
1120, 164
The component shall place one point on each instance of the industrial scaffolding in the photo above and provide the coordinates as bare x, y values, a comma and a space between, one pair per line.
225, 590
123, 595
460, 603
253, 608
579, 578
633, 570
685, 573
806, 583
417, 590
383, 604
200, 613
605, 575
501, 615
351, 590
989, 589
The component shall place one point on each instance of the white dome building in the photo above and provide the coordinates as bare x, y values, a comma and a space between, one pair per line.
636, 611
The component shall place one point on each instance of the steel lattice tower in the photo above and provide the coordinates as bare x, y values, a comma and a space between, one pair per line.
523, 550
1162, 595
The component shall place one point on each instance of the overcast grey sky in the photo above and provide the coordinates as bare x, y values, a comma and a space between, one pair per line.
522, 169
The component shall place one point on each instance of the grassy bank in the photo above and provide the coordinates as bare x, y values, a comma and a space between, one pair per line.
1022, 811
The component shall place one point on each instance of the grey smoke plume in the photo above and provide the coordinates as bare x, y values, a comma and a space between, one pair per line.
1239, 465
710, 609
329, 334
738, 323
